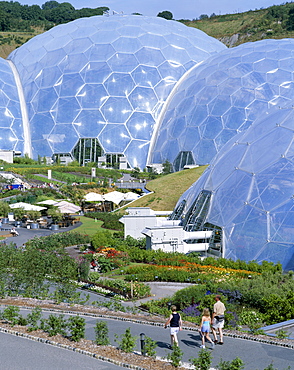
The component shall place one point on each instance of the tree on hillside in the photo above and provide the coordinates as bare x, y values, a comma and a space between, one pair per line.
165, 14
63, 13
4, 21
50, 5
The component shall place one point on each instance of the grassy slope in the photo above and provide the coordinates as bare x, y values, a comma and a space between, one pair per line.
168, 189
251, 26
89, 226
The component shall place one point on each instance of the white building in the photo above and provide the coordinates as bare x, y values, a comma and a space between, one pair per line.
162, 233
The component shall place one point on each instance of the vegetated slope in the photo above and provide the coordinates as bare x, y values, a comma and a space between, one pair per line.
234, 29
168, 189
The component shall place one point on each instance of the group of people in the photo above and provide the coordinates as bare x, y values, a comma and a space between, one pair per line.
214, 323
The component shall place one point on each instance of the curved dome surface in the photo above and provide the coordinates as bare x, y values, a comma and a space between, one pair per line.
251, 186
105, 78
11, 126
222, 97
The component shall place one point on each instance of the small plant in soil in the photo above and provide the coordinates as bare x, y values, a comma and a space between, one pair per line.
101, 331
236, 364
127, 341
33, 318
54, 325
77, 327
11, 315
175, 356
203, 361
150, 346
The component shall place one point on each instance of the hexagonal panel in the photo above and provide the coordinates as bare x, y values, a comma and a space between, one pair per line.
116, 110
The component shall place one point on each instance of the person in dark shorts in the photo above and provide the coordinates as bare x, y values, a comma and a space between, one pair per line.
175, 323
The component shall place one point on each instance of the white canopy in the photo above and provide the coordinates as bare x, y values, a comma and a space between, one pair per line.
49, 202
93, 197
26, 206
115, 197
67, 207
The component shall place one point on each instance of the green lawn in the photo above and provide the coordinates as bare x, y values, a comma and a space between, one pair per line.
89, 226
168, 189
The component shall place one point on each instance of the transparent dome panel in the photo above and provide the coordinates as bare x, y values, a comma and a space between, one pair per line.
127, 44
95, 72
92, 96
143, 99
70, 85
146, 76
150, 57
65, 110
47, 123
89, 123
119, 84
140, 125
44, 100
121, 62
63, 138
100, 52
137, 153
73, 63
41, 146
116, 110
114, 138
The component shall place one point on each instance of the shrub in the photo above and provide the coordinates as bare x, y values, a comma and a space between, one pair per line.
76, 325
236, 364
203, 361
54, 325
150, 346
175, 356
101, 333
127, 342
33, 318
282, 334
11, 315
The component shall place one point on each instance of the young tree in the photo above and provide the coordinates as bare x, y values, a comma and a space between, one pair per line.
165, 14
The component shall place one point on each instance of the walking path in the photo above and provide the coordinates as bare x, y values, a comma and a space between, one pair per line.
255, 355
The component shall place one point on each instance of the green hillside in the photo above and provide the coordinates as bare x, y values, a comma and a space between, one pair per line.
234, 29
167, 189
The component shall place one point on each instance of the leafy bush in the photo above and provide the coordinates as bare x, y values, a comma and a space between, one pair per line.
175, 356
54, 325
33, 317
101, 333
150, 346
236, 364
127, 342
76, 325
11, 315
203, 361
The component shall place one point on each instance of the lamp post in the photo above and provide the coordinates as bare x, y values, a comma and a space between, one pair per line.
142, 340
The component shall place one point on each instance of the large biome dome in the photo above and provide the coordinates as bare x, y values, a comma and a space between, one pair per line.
248, 193
104, 78
11, 127
221, 97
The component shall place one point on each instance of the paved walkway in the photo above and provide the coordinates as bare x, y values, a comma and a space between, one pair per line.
17, 353
255, 355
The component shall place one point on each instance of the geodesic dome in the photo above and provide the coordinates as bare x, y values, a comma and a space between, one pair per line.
11, 127
248, 191
221, 97
105, 78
